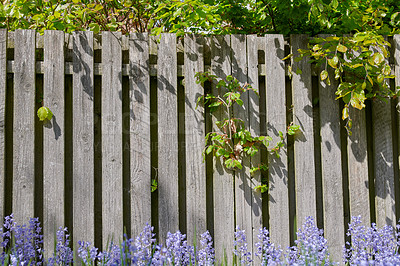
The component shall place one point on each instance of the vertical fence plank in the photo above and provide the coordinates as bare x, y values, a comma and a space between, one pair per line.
3, 83
195, 130
168, 189
242, 177
383, 161
111, 137
139, 80
223, 185
53, 139
254, 128
83, 136
304, 160
358, 167
276, 122
24, 126
331, 167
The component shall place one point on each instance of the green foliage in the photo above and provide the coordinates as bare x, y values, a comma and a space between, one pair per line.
44, 113
359, 62
77, 15
232, 141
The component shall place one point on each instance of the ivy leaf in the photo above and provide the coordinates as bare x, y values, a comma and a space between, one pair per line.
44, 113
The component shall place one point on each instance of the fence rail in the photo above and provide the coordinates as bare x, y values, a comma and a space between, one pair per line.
124, 113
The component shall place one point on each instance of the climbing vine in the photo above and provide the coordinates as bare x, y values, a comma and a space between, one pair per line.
232, 141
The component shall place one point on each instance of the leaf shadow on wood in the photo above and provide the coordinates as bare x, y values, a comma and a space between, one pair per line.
79, 63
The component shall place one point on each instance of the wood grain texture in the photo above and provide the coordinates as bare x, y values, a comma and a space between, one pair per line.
139, 82
111, 137
243, 190
53, 139
24, 126
167, 100
194, 134
276, 122
331, 165
223, 185
383, 163
83, 137
3, 83
358, 167
254, 128
304, 160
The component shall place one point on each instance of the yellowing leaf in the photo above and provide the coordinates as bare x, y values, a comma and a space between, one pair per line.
324, 74
345, 113
342, 48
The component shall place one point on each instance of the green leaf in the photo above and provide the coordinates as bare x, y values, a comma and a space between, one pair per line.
324, 74
44, 113
341, 48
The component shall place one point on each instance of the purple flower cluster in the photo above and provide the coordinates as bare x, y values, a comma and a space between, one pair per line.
240, 247
371, 244
22, 245
266, 251
63, 253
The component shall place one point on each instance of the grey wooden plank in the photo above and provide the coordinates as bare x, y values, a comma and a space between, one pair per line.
195, 132
358, 166
53, 139
83, 137
223, 185
383, 162
111, 137
3, 80
243, 190
304, 140
139, 80
331, 165
254, 128
276, 122
167, 101
24, 126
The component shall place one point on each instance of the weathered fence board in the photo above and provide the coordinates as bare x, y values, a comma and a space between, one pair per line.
254, 128
243, 192
358, 166
140, 154
331, 164
276, 122
304, 160
3, 83
383, 162
111, 137
195, 132
24, 126
168, 211
83, 137
223, 185
53, 139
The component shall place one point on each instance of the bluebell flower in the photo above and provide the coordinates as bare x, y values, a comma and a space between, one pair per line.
266, 251
311, 246
144, 245
63, 254
206, 255
240, 247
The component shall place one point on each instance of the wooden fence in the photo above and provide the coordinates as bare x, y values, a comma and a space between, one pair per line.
124, 113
